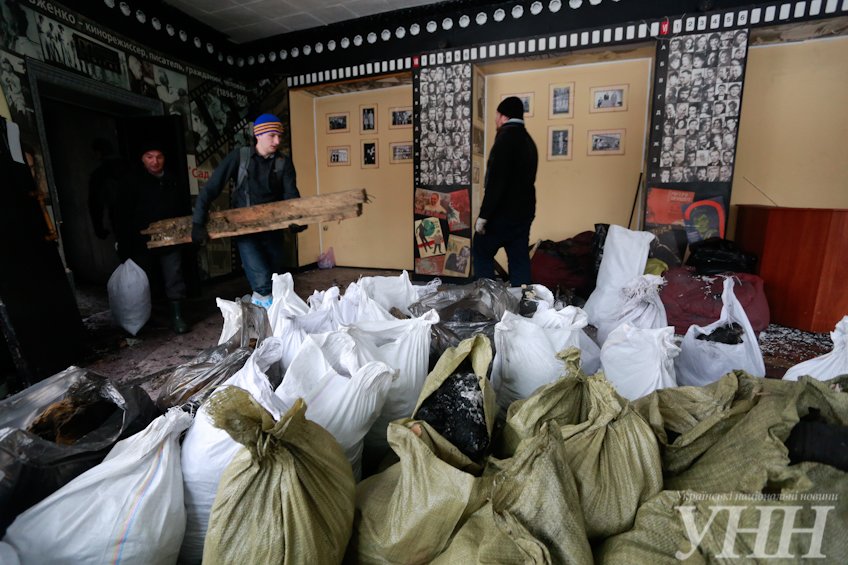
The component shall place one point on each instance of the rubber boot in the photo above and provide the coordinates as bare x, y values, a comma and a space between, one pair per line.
179, 325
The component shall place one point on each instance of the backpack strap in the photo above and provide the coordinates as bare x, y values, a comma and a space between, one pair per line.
244, 160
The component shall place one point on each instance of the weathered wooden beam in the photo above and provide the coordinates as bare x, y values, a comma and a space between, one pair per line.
264, 217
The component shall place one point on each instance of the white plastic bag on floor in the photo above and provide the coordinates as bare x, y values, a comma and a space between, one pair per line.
285, 300
829, 365
625, 256
390, 292
702, 362
208, 450
129, 296
639, 305
526, 351
343, 392
403, 345
423, 290
128, 509
638, 361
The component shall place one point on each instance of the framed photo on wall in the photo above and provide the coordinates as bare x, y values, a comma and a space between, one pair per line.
368, 118
400, 117
338, 155
528, 99
401, 152
560, 142
606, 142
609, 98
369, 154
561, 101
338, 122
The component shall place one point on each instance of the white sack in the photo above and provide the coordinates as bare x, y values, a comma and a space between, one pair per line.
526, 351
390, 292
285, 300
231, 312
127, 509
829, 365
356, 306
423, 290
343, 392
129, 296
208, 450
638, 361
403, 345
702, 362
639, 305
625, 256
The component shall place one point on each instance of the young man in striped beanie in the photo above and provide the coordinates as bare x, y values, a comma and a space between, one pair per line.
260, 174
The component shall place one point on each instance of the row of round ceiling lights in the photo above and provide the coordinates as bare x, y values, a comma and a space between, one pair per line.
156, 23
432, 26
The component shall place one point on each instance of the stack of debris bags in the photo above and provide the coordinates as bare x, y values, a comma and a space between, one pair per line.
59, 428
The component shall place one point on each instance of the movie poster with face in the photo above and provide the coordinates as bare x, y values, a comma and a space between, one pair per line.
16, 88
458, 258
694, 130
19, 30
429, 238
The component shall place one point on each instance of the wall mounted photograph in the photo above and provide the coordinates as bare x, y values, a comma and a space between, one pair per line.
400, 117
528, 99
560, 140
401, 152
609, 98
561, 101
338, 122
368, 118
369, 154
606, 142
338, 155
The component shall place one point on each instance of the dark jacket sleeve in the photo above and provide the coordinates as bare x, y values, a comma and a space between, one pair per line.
289, 180
224, 172
496, 176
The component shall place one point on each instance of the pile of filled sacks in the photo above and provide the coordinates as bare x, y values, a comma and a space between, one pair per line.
333, 430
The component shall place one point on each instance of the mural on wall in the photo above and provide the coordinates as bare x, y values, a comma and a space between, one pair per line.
698, 97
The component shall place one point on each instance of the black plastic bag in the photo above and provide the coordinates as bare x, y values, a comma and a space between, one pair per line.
85, 411
464, 311
716, 255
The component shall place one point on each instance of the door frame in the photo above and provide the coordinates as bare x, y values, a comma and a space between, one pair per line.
42, 73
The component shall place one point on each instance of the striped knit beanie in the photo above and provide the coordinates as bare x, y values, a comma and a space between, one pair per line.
267, 123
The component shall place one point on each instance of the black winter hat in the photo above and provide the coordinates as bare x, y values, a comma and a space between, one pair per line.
512, 107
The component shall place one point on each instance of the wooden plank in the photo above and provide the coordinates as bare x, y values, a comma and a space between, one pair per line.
264, 217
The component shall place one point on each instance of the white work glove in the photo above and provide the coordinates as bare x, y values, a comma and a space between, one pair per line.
480, 226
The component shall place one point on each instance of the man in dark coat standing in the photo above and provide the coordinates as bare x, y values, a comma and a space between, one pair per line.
149, 194
509, 200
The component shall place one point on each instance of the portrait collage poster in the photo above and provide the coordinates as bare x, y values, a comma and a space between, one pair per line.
694, 128
442, 201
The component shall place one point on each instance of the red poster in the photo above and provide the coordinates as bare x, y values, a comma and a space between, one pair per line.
665, 206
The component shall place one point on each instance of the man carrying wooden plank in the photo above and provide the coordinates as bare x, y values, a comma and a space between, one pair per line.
260, 175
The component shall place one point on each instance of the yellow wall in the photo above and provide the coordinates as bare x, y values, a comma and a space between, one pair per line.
382, 237
794, 126
303, 156
573, 195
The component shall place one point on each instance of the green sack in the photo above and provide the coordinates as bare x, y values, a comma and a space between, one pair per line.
668, 528
533, 515
610, 449
729, 435
408, 513
287, 497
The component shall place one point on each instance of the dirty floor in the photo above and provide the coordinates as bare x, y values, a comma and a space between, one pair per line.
137, 359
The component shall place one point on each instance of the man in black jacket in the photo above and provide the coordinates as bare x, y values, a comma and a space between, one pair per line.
260, 175
149, 194
509, 200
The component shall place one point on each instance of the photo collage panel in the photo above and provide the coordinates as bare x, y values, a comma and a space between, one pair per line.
703, 96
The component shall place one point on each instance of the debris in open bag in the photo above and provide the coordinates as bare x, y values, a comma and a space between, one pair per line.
455, 410
465, 310
59, 428
730, 334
